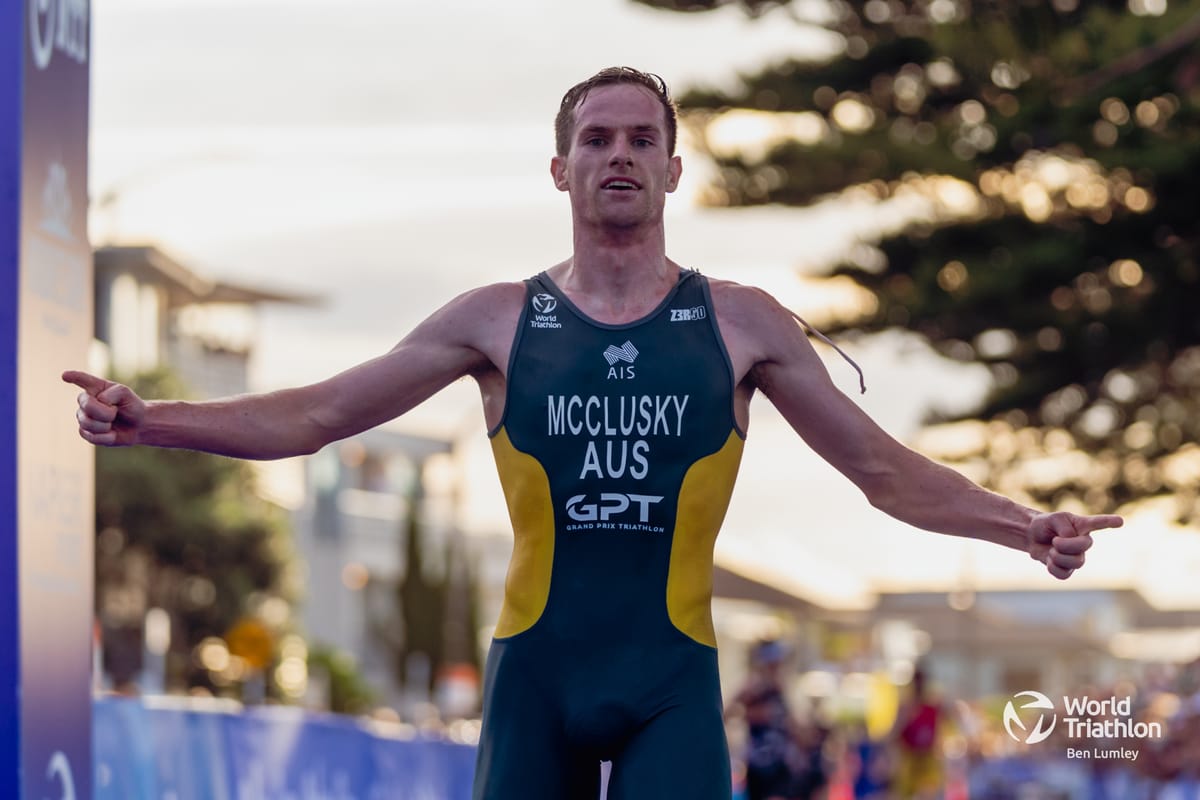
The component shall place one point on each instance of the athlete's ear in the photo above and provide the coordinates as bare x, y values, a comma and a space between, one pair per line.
674, 170
558, 170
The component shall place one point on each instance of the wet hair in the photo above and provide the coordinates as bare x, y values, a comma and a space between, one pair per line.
565, 120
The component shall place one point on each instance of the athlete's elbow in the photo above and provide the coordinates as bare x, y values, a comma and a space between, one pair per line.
304, 447
315, 423
881, 487
885, 501
311, 436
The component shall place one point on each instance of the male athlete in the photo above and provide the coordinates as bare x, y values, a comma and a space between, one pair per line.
616, 387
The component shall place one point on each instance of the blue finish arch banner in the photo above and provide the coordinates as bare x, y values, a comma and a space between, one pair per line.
173, 747
46, 473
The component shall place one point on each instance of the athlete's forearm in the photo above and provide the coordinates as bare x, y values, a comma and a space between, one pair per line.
253, 426
935, 498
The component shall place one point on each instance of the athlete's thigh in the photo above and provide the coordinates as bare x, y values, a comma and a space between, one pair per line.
534, 769
681, 753
523, 754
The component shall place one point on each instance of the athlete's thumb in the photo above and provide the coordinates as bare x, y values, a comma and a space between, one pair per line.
116, 395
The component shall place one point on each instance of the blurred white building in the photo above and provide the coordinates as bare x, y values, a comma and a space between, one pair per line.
152, 311
350, 528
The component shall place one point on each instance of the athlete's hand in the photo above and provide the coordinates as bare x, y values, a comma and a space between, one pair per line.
1059, 540
109, 414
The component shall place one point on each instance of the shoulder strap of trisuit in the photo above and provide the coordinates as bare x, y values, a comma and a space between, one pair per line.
811, 331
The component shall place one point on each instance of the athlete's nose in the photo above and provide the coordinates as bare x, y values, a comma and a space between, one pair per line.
621, 154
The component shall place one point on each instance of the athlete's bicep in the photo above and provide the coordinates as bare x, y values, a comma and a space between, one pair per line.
792, 376
448, 345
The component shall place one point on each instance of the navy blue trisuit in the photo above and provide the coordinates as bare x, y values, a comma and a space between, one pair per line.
617, 453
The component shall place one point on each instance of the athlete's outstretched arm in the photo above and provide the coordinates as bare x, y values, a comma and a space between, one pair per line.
895, 479
301, 420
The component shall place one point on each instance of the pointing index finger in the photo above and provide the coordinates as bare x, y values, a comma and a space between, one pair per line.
86, 381
1097, 522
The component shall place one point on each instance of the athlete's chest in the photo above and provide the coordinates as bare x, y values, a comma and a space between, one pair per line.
597, 403
677, 344
544, 344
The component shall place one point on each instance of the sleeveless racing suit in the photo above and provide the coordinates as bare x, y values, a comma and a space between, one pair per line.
617, 453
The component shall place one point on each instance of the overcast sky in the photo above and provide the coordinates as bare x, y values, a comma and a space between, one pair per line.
388, 155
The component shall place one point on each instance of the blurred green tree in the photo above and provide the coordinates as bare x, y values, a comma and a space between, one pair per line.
438, 606
185, 532
422, 599
1054, 148
349, 692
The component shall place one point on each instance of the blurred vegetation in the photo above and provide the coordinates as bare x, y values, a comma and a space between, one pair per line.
1054, 148
431, 625
349, 692
421, 595
184, 532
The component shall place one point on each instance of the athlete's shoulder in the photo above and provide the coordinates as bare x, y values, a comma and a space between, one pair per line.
756, 327
477, 315
744, 305
489, 302
502, 293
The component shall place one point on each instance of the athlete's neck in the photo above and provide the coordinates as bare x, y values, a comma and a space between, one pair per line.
617, 274
614, 286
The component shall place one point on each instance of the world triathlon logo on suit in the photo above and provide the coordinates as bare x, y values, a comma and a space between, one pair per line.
626, 353
543, 305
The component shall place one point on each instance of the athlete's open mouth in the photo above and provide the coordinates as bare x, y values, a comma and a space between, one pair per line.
620, 185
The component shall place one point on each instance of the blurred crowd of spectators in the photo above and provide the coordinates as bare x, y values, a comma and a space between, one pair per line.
943, 748
1122, 767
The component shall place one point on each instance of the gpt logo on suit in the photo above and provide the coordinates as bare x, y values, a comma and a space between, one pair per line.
613, 511
60, 25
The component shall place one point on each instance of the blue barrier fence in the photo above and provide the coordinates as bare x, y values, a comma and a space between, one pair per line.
148, 751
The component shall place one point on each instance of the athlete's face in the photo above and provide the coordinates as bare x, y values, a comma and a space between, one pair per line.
618, 170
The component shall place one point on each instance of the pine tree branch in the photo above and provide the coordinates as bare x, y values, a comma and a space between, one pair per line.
1133, 62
